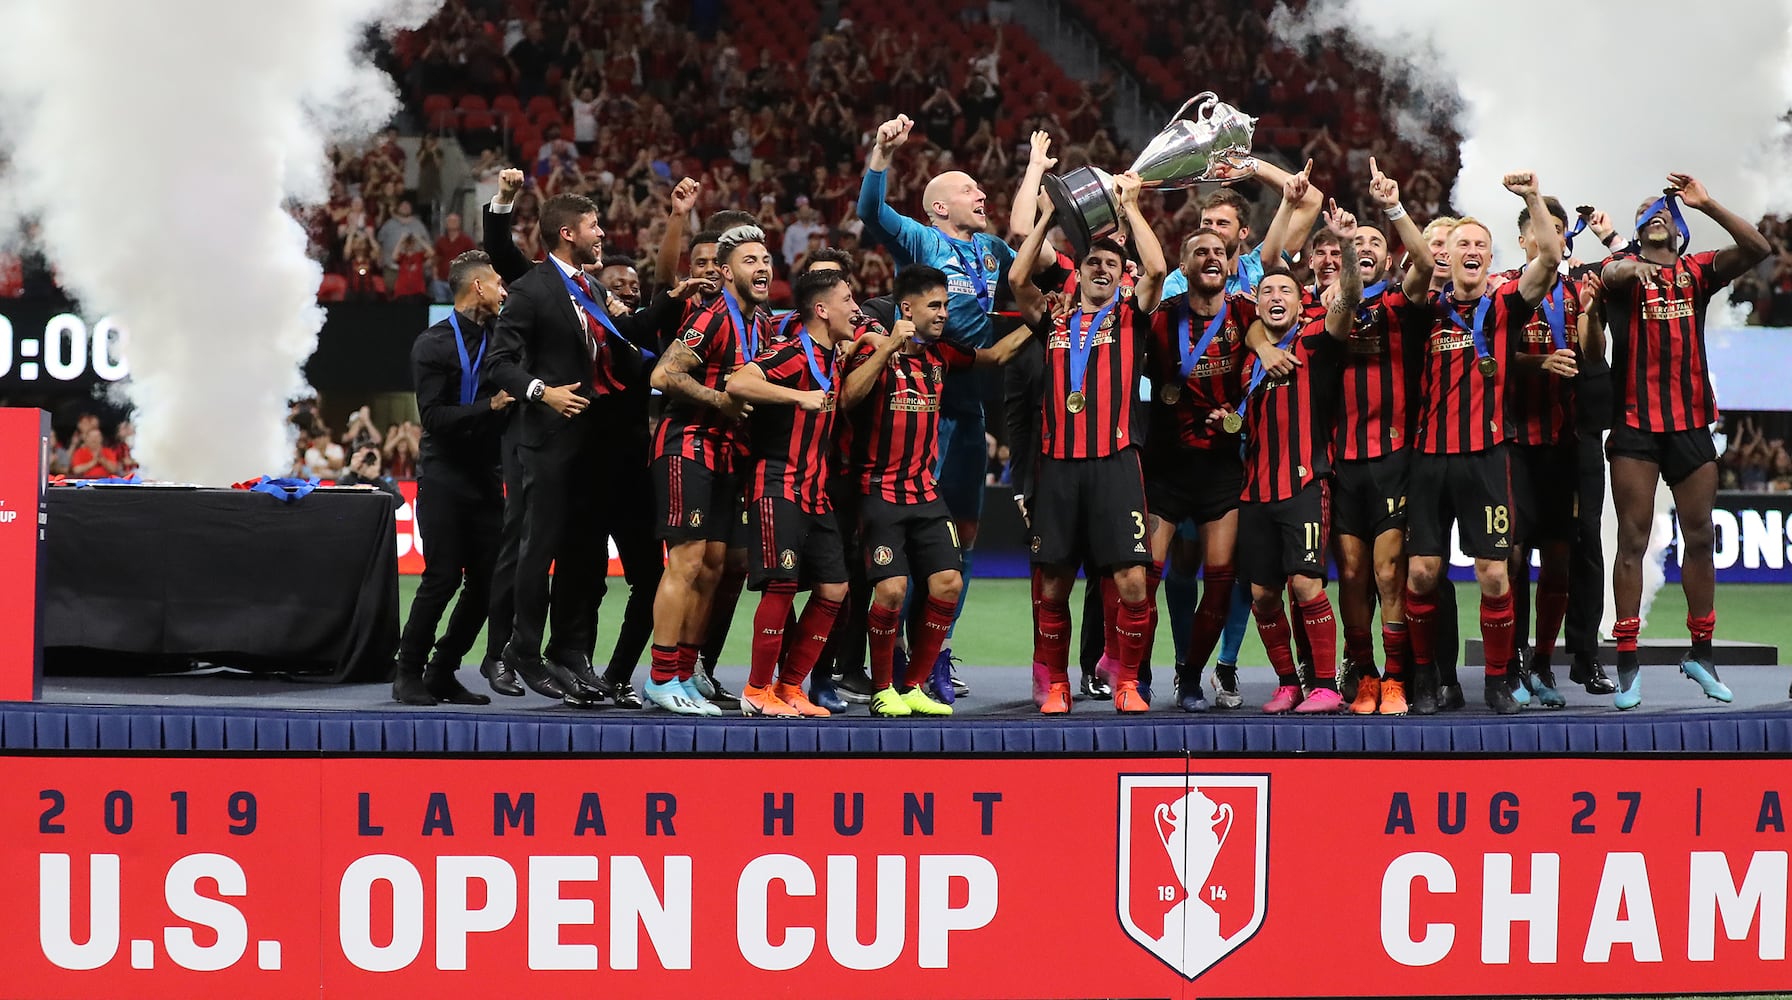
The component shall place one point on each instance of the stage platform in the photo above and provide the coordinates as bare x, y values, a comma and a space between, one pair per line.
228, 711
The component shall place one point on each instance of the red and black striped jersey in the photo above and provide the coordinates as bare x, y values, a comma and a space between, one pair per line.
1288, 420
1663, 378
1374, 418
1540, 404
891, 440
702, 433
1462, 410
789, 445
1099, 421
1179, 406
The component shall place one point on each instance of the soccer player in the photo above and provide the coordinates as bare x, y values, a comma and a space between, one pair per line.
1091, 494
1462, 473
1370, 465
955, 241
695, 463
892, 397
1655, 303
1446, 644
1226, 212
1288, 443
795, 540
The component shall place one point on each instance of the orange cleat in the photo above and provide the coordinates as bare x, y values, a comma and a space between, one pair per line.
1368, 691
1393, 697
1127, 698
792, 695
1057, 700
761, 701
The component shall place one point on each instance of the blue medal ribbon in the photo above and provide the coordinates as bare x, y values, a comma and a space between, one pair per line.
1081, 345
1555, 312
973, 270
1370, 294
748, 335
1258, 376
821, 378
1448, 299
1191, 351
1672, 204
1580, 226
784, 322
591, 307
469, 368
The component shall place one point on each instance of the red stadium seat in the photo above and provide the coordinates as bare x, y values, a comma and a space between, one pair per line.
507, 104
437, 102
473, 102
473, 121
444, 119
542, 104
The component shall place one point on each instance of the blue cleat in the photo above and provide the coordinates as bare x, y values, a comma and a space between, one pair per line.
1542, 682
1145, 692
1705, 673
1515, 682
939, 683
694, 695
1630, 688
822, 692
670, 695
1191, 699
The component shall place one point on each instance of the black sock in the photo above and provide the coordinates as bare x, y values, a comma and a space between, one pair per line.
1627, 663
1327, 683
1701, 649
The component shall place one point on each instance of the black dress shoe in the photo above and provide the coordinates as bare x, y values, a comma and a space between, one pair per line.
1423, 700
854, 685
1498, 692
534, 673
1588, 673
408, 687
502, 679
577, 667
1450, 699
442, 685
618, 690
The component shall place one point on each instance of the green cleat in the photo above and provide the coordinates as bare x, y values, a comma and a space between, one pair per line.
889, 704
919, 702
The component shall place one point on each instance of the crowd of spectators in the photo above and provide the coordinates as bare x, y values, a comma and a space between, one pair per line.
89, 452
360, 453
1755, 457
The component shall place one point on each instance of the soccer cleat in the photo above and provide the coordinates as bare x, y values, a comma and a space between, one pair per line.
712, 689
1630, 689
1393, 697
670, 696
854, 685
762, 701
1057, 700
1107, 670
1542, 681
1450, 699
1190, 699
1705, 673
1042, 683
1322, 701
959, 688
1517, 685
939, 683
1286, 698
694, 695
1498, 692
887, 703
1145, 692
1225, 688
1095, 686
792, 695
1368, 695
823, 694
1349, 674
919, 703
1424, 690
1589, 673
1128, 700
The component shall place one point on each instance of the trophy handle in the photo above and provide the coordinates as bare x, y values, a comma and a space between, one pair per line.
1207, 98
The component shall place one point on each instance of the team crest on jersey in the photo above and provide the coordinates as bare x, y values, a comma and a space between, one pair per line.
882, 555
1126, 291
936, 374
691, 337
1193, 879
787, 559
696, 519
989, 262
1035, 543
1683, 279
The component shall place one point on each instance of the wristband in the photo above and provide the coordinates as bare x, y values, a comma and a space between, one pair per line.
1396, 213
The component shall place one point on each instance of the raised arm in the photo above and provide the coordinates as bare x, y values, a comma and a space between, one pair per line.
1026, 197
665, 260
1539, 276
1340, 316
882, 223
1300, 217
1750, 248
1027, 297
507, 260
1385, 192
1152, 267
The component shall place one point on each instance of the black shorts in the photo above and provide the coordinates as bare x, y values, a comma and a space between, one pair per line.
1677, 453
792, 544
907, 539
696, 502
1198, 484
1090, 509
1369, 497
1284, 538
1473, 492
1545, 481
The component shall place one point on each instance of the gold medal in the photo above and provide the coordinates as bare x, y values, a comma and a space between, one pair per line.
1172, 393
1075, 402
1488, 366
1232, 422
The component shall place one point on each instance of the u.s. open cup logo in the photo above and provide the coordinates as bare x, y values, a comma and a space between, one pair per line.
1193, 866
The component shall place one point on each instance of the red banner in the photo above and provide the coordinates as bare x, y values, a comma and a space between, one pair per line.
24, 461
991, 877
410, 535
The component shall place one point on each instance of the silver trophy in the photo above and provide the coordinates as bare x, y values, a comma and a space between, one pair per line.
1213, 144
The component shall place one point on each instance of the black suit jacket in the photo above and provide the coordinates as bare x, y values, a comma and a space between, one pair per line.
460, 441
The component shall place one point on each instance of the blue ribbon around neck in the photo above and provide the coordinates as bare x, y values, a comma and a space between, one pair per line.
821, 378
469, 368
1081, 345
1448, 298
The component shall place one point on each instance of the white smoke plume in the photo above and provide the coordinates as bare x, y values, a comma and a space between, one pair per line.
159, 145
1601, 100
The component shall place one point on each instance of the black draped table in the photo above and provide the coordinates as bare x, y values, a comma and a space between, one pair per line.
141, 579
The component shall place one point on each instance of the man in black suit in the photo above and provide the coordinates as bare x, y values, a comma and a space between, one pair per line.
460, 498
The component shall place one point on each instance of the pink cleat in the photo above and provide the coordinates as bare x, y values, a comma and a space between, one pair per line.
1108, 669
1042, 683
1287, 696
1321, 701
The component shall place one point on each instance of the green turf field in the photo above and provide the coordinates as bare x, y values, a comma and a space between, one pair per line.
997, 623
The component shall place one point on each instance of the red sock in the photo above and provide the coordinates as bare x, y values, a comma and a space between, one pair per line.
768, 631
1359, 648
1320, 627
1051, 638
1394, 649
1134, 618
664, 660
1421, 609
1701, 629
687, 660
1154, 576
1210, 615
811, 635
936, 621
1496, 632
1273, 627
882, 623
1110, 619
1552, 607
1624, 632
1303, 650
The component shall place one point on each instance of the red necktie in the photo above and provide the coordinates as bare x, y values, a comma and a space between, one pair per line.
593, 329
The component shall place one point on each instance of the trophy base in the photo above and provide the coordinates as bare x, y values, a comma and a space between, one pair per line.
1085, 207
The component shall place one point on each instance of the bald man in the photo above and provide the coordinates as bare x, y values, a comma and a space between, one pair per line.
955, 240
